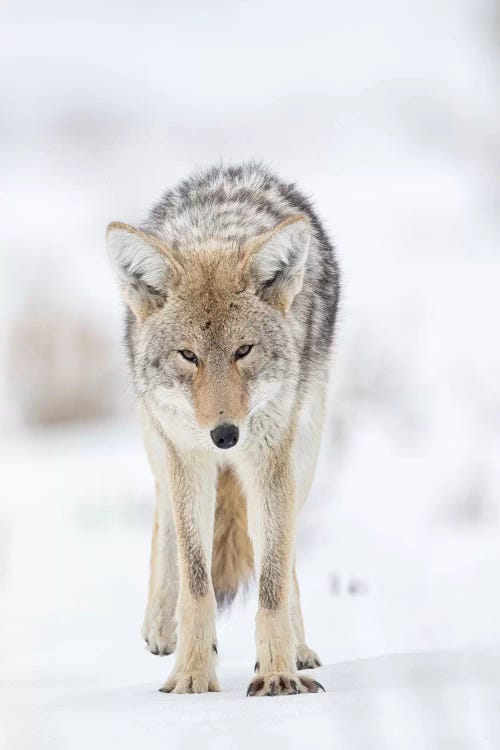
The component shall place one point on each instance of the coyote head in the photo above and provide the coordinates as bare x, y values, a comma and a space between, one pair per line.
209, 336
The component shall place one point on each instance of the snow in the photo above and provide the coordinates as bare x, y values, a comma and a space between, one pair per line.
387, 114
406, 622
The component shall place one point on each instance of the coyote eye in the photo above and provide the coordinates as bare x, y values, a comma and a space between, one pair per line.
189, 355
243, 351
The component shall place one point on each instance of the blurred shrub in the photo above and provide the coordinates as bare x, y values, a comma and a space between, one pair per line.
62, 368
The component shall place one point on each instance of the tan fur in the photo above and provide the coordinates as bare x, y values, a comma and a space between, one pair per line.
219, 395
154, 552
193, 483
306, 658
159, 621
194, 670
271, 494
232, 560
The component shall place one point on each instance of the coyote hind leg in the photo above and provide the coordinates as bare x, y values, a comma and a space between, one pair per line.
307, 445
159, 629
306, 658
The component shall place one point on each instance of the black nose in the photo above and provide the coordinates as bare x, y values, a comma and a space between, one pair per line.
225, 435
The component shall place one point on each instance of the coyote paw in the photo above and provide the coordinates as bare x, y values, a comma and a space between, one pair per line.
159, 632
196, 681
282, 683
306, 657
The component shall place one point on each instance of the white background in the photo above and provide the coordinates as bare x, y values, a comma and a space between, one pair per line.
387, 115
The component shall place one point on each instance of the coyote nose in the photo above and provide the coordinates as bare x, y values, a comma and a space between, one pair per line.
225, 435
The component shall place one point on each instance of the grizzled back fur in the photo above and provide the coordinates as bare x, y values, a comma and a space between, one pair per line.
233, 204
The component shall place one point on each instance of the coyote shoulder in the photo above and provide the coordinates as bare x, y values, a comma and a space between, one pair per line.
231, 288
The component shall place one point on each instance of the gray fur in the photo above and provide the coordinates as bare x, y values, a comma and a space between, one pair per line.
233, 204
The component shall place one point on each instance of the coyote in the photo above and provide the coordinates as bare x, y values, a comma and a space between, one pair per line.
231, 287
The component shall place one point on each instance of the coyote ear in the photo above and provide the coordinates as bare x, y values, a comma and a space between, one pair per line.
277, 260
142, 265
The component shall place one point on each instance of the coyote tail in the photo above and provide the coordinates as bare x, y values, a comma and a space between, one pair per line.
232, 558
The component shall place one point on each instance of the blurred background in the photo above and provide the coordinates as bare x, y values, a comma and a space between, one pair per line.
387, 114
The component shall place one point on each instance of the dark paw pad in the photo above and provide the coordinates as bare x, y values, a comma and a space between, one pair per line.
312, 686
282, 683
156, 651
306, 658
308, 663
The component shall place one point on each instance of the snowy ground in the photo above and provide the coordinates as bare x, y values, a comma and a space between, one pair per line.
407, 624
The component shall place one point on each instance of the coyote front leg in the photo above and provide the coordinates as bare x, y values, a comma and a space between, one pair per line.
193, 486
270, 490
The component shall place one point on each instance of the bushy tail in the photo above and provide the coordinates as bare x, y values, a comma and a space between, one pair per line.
232, 558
